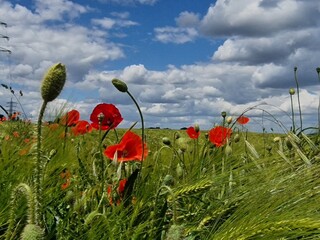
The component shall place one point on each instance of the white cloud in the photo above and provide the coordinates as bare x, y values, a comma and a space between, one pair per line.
252, 18
175, 34
188, 19
56, 9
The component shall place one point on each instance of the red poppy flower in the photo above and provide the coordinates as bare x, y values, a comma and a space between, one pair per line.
243, 120
191, 131
108, 114
82, 127
219, 135
70, 119
129, 149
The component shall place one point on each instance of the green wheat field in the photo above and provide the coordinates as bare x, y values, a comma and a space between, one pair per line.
74, 179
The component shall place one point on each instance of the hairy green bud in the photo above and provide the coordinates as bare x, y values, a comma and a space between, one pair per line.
53, 82
120, 85
166, 141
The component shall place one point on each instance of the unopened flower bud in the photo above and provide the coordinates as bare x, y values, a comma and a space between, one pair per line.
236, 138
166, 141
292, 91
223, 114
295, 69
228, 150
120, 85
229, 120
168, 180
179, 171
288, 143
53, 82
318, 70
197, 127
177, 135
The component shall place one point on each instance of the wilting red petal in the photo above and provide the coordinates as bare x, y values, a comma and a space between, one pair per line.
110, 116
71, 118
193, 133
219, 135
243, 120
129, 149
82, 127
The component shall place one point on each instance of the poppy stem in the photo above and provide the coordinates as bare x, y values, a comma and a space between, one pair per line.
38, 166
298, 94
142, 127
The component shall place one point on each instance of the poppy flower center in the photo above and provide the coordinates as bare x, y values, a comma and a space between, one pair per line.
123, 153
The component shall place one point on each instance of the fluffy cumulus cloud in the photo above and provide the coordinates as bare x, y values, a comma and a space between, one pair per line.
250, 71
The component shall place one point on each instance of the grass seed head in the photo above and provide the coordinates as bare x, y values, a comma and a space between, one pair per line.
32, 232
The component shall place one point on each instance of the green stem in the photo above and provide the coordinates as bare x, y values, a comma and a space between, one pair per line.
142, 127
318, 71
38, 167
298, 94
292, 112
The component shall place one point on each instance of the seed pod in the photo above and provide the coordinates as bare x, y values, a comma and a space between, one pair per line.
53, 82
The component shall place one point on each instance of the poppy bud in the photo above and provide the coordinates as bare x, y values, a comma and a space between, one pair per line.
53, 82
120, 85
168, 180
223, 114
228, 150
288, 143
177, 135
197, 127
295, 69
179, 171
32, 231
292, 91
166, 141
318, 70
269, 148
229, 120
236, 138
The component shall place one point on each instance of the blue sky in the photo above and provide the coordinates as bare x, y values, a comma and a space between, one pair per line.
185, 61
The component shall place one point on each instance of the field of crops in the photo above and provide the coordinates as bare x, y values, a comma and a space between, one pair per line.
73, 179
